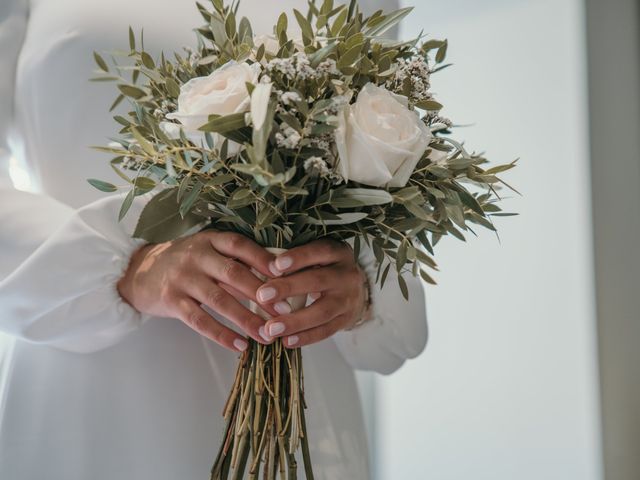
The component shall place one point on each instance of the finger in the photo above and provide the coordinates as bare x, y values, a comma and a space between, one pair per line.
319, 252
269, 308
316, 334
234, 274
299, 283
238, 246
316, 314
208, 293
227, 270
195, 317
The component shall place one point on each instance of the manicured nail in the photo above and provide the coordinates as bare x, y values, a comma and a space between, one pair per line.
263, 333
284, 262
240, 344
276, 328
314, 296
282, 307
292, 340
274, 270
266, 293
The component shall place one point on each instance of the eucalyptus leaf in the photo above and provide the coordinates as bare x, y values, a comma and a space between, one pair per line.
160, 220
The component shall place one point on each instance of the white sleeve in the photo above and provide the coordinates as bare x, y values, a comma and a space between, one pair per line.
58, 266
64, 294
397, 329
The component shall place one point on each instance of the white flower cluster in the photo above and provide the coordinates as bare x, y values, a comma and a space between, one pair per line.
289, 98
165, 107
287, 137
417, 71
298, 67
316, 166
328, 67
194, 57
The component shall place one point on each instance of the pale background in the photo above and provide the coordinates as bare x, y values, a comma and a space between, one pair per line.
507, 387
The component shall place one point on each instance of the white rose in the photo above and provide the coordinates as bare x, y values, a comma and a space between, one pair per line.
223, 92
379, 139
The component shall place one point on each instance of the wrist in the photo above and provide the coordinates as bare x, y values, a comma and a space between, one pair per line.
126, 285
366, 311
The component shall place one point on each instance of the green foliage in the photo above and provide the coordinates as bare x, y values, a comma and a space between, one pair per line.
266, 191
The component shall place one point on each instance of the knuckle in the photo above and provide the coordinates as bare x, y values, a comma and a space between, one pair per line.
216, 298
188, 254
231, 269
197, 321
234, 241
167, 295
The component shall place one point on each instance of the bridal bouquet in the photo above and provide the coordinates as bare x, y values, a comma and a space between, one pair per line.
287, 138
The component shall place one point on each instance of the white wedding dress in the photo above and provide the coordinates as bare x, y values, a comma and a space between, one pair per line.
91, 388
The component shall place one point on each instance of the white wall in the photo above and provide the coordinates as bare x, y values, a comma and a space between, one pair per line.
507, 387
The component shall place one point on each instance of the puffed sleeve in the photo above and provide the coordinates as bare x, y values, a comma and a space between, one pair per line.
58, 266
397, 329
64, 294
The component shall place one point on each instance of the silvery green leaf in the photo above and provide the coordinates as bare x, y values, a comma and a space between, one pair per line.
100, 61
160, 220
390, 21
305, 27
260, 104
144, 143
357, 197
224, 124
189, 200
132, 91
144, 185
403, 287
343, 219
426, 277
102, 186
126, 205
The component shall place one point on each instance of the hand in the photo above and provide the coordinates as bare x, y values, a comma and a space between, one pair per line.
328, 271
175, 278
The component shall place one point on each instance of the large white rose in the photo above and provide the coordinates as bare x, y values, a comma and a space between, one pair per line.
379, 139
223, 92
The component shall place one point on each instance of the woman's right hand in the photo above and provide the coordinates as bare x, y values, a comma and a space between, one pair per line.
173, 279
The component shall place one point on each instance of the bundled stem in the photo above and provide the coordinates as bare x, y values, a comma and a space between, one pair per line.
264, 414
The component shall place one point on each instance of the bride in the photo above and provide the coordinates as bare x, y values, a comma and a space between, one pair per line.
125, 352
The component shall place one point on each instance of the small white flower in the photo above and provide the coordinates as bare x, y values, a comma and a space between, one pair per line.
328, 67
288, 137
316, 166
290, 97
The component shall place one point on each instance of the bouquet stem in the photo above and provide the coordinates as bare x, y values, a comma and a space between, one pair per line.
264, 413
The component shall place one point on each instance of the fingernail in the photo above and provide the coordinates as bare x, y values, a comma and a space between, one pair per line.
276, 328
266, 293
292, 340
274, 270
282, 307
284, 262
263, 333
240, 344
314, 296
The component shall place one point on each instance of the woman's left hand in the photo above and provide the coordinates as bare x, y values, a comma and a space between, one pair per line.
328, 271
